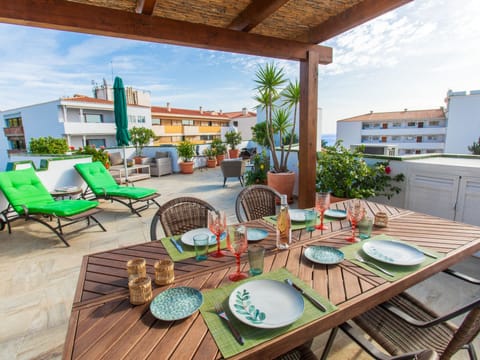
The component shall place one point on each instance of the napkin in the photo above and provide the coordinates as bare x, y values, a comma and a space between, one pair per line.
188, 251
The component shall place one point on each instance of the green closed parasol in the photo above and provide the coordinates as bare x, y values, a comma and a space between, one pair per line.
121, 119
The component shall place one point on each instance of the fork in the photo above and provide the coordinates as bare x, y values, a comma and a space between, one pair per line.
371, 264
220, 312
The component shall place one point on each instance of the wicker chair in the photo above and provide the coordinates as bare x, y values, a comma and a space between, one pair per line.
255, 202
180, 215
403, 324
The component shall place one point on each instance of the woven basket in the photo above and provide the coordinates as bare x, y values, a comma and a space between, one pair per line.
136, 268
164, 273
140, 290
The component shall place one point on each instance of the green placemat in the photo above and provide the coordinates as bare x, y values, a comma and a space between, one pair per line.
253, 336
295, 224
398, 271
188, 251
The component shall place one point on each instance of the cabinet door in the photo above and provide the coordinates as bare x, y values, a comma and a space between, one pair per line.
469, 201
433, 194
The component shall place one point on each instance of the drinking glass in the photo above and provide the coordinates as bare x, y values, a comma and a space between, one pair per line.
355, 213
237, 243
217, 223
322, 203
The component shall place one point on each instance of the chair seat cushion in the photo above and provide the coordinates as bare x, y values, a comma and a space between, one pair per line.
61, 207
130, 192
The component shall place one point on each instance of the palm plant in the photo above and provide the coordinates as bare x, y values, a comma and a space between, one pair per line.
270, 80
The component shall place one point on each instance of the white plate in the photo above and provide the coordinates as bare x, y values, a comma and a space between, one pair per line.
393, 252
255, 234
336, 214
297, 215
324, 255
266, 304
187, 238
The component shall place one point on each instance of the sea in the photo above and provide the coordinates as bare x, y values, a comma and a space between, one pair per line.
330, 139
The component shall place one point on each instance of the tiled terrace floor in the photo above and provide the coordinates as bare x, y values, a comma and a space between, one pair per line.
39, 274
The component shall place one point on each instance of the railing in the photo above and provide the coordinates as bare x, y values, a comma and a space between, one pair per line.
16, 130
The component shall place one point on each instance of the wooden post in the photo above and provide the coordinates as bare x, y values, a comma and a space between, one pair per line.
308, 130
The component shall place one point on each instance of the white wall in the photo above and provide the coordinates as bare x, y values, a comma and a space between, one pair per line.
349, 132
463, 125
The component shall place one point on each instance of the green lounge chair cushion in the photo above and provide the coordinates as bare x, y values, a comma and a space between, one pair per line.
23, 187
102, 182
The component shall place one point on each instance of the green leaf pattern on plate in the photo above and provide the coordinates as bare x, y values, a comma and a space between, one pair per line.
380, 255
243, 306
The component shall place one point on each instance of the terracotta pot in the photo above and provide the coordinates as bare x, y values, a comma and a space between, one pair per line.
283, 183
220, 158
138, 159
233, 154
186, 167
211, 163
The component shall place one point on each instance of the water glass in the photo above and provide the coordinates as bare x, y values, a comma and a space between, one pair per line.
365, 227
310, 219
200, 241
256, 254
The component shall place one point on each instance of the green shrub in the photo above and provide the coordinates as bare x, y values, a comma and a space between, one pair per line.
97, 154
258, 173
48, 145
140, 137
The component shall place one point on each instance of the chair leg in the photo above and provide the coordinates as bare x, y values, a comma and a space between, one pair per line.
329, 343
224, 181
98, 222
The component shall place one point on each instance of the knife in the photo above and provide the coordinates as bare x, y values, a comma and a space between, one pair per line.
428, 254
176, 244
310, 298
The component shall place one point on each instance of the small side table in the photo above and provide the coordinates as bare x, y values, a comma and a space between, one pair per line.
66, 192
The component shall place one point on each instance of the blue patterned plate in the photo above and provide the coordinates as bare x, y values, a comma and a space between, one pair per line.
176, 303
393, 252
266, 304
255, 234
336, 214
324, 255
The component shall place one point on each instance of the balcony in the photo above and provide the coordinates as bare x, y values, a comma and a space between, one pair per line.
81, 128
13, 131
404, 131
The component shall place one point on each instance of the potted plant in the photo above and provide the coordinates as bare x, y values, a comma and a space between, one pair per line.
278, 102
97, 154
140, 136
186, 151
211, 158
220, 150
233, 138
345, 174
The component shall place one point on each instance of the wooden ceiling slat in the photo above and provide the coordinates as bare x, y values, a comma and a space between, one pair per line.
255, 13
354, 16
145, 7
71, 16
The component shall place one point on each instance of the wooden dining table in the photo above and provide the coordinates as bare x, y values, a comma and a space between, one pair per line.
103, 323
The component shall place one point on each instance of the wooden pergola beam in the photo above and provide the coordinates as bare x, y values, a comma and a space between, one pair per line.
71, 16
255, 13
145, 7
354, 16
307, 157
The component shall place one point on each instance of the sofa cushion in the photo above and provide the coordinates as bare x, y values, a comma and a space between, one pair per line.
115, 158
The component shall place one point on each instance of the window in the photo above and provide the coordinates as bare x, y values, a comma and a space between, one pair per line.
176, 123
434, 123
365, 125
206, 137
397, 124
409, 138
177, 138
17, 144
155, 121
235, 123
141, 119
187, 122
395, 138
96, 142
411, 124
376, 138
14, 122
376, 126
132, 119
93, 118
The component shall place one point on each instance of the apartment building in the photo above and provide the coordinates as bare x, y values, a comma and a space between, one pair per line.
172, 125
396, 133
81, 119
243, 121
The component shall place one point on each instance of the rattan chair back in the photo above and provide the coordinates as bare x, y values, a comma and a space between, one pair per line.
178, 216
255, 202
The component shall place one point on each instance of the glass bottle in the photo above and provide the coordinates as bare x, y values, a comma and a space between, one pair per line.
284, 228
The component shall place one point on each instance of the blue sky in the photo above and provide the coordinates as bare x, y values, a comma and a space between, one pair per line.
407, 58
